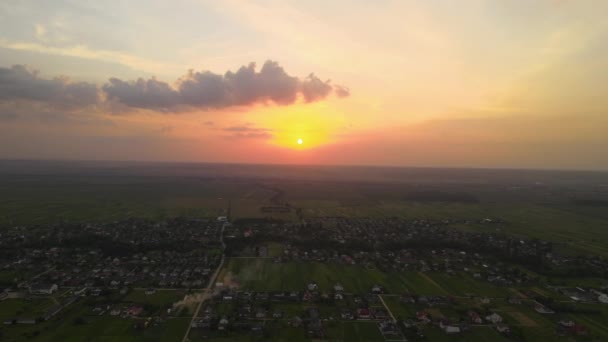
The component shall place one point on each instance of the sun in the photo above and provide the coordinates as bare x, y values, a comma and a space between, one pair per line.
300, 141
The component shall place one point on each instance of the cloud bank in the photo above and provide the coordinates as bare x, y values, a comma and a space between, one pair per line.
18, 84
195, 90
205, 89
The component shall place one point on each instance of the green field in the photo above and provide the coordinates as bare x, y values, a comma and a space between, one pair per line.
30, 308
79, 323
108, 192
464, 285
266, 275
161, 298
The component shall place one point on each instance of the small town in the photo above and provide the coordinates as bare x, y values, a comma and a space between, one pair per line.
135, 270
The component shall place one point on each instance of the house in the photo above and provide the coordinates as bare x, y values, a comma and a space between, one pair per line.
295, 322
43, 289
409, 323
407, 299
503, 328
449, 328
603, 298
223, 324
566, 323
484, 300
475, 318
312, 286
338, 287
423, 317
543, 309
135, 310
260, 314
363, 313
377, 289
388, 328
346, 314
494, 318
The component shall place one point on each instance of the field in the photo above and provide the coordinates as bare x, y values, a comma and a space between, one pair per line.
532, 203
266, 275
79, 323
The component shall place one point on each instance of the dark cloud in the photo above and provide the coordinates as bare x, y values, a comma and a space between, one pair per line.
248, 132
20, 84
197, 89
205, 89
314, 89
341, 91
150, 94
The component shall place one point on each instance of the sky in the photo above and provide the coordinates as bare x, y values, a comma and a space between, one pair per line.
472, 83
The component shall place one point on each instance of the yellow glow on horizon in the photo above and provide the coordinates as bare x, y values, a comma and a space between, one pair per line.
302, 126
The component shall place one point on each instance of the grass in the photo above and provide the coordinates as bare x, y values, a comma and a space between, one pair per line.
464, 285
266, 275
354, 331
26, 308
160, 299
556, 223
64, 327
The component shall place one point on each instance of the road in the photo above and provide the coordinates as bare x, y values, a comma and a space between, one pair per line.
207, 291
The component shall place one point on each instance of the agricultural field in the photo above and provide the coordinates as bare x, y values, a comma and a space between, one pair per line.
162, 299
266, 275
21, 307
79, 323
534, 204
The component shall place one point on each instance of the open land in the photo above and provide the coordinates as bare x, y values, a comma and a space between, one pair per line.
100, 251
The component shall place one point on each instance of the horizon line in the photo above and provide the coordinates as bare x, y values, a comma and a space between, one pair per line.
147, 161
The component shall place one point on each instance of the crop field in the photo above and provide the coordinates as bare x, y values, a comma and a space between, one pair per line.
266, 275
162, 298
21, 307
572, 229
38, 193
79, 323
249, 208
464, 285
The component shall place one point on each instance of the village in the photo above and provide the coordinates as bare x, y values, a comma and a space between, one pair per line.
412, 279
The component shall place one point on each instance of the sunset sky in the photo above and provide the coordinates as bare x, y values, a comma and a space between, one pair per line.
470, 83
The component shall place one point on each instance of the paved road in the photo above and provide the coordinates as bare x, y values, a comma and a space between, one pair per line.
207, 290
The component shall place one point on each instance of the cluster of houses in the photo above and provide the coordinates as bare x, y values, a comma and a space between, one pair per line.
153, 256
420, 245
585, 295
